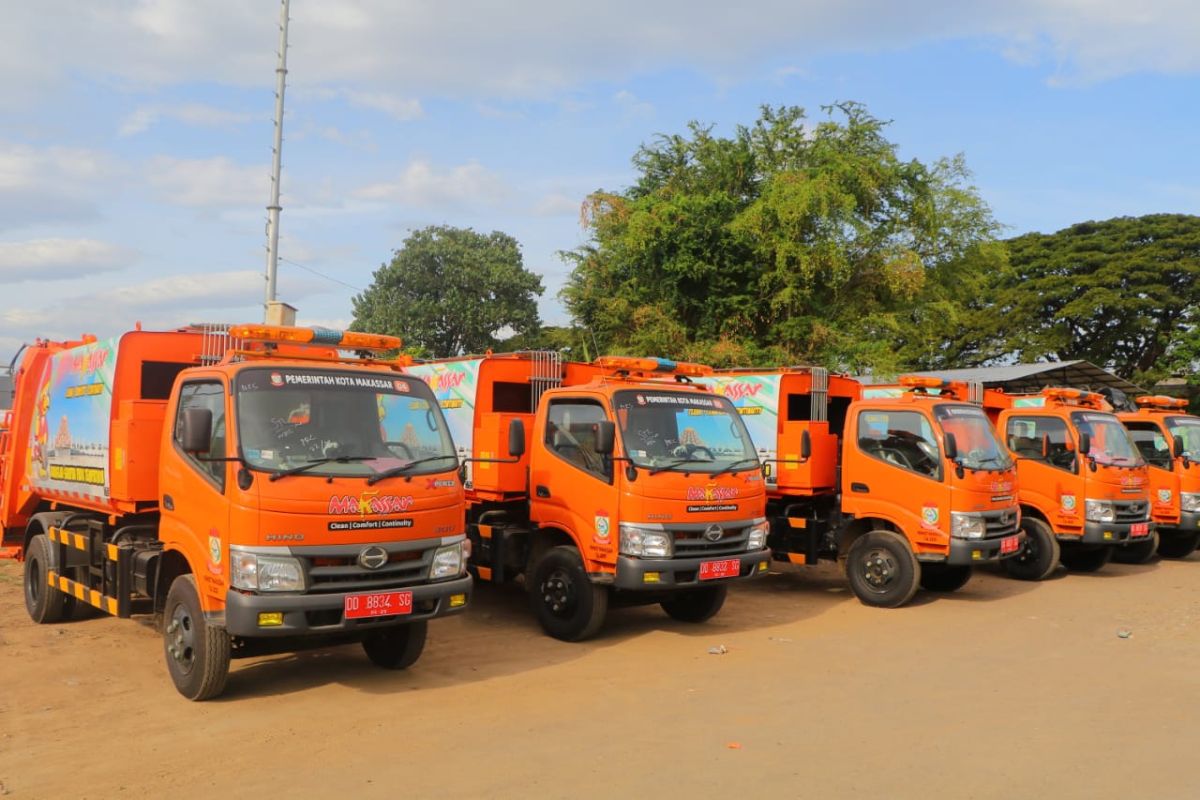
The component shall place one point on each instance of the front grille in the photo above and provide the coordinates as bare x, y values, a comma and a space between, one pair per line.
692, 544
999, 523
1132, 511
341, 572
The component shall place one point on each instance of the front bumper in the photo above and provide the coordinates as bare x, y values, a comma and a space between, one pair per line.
964, 552
656, 574
321, 613
1188, 521
1111, 532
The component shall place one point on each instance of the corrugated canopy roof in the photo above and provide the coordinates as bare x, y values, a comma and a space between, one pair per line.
1034, 377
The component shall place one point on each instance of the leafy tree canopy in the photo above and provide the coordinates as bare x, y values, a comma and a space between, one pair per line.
449, 291
787, 242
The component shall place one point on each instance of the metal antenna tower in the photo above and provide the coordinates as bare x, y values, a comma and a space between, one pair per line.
276, 163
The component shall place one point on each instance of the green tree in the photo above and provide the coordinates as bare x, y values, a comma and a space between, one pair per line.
449, 291
786, 242
1122, 293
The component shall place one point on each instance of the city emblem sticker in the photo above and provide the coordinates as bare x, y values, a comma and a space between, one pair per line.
603, 526
214, 549
1068, 503
276, 379
930, 515
1164, 496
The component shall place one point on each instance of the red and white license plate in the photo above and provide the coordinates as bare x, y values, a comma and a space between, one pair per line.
1139, 529
728, 568
1010, 544
380, 604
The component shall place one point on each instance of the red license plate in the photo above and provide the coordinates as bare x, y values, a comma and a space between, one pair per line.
729, 568
1010, 544
1140, 529
381, 604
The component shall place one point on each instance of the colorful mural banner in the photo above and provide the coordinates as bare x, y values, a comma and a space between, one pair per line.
454, 384
756, 398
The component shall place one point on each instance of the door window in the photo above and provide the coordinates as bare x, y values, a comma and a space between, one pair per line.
571, 435
1024, 437
902, 438
1151, 443
210, 395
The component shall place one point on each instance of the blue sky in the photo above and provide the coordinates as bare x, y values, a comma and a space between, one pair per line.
135, 136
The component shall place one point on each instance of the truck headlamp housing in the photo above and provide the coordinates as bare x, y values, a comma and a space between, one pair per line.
966, 526
449, 561
757, 537
646, 542
255, 572
1189, 501
1099, 511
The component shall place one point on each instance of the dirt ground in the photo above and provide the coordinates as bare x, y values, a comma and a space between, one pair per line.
1002, 690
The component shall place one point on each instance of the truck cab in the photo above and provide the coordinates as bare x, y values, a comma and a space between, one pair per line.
624, 484
1169, 440
1083, 483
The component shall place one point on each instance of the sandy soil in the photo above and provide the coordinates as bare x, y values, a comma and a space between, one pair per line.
1002, 690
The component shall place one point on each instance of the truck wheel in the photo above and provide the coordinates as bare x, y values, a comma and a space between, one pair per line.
882, 569
1138, 552
695, 605
569, 606
45, 603
197, 653
1039, 554
397, 647
1081, 558
944, 577
1177, 544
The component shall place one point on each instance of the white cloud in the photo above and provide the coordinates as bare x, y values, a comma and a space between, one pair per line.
51, 184
557, 204
422, 185
209, 182
629, 103
52, 259
198, 114
401, 108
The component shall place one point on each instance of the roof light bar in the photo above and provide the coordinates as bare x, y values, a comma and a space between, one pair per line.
652, 365
921, 381
328, 337
1160, 401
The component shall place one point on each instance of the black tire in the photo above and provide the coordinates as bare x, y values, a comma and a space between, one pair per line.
45, 603
695, 605
1139, 552
197, 653
1084, 558
882, 569
397, 647
1039, 554
1178, 544
567, 604
944, 577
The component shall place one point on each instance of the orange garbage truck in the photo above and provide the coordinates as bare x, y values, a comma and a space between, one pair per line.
254, 487
907, 484
1083, 483
619, 482
1169, 440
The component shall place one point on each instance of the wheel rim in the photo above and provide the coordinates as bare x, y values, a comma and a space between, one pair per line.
1029, 552
558, 594
879, 568
181, 639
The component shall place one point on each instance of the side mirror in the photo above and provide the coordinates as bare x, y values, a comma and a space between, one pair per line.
516, 438
951, 443
1085, 443
606, 437
195, 430
1177, 447
805, 446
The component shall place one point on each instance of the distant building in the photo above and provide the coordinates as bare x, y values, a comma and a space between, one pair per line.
1025, 378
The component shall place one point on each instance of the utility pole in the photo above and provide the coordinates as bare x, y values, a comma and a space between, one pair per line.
276, 162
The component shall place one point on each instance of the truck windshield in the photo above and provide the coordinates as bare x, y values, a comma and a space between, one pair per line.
370, 422
978, 447
1188, 429
701, 432
1111, 444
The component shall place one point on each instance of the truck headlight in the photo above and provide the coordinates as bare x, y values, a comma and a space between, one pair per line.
966, 526
258, 573
1099, 511
646, 542
447, 562
1189, 501
757, 539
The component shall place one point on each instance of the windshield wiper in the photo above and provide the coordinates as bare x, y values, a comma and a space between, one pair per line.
733, 465
680, 462
402, 469
316, 462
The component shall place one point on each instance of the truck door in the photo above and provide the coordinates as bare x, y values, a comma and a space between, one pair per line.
1049, 480
1153, 444
195, 514
573, 485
